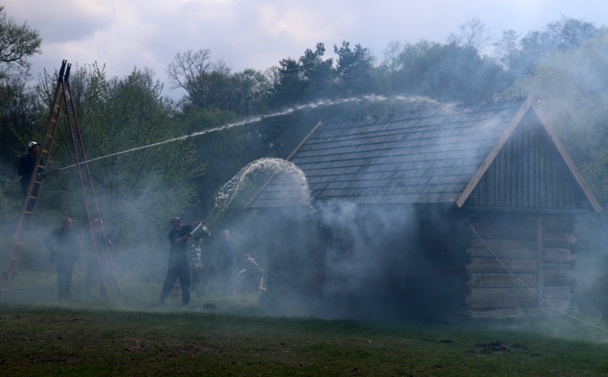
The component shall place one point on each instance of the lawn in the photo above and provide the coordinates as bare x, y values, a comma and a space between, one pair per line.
68, 340
214, 336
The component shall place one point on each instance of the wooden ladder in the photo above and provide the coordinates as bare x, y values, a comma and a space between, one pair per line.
29, 203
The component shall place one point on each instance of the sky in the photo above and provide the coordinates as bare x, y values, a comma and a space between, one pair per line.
128, 34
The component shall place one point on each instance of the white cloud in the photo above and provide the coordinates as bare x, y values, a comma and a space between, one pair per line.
258, 34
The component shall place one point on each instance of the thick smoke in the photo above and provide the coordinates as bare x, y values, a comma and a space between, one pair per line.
328, 260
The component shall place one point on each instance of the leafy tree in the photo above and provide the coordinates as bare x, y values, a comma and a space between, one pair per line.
561, 36
573, 86
354, 70
317, 73
18, 123
221, 153
17, 43
212, 85
447, 72
289, 84
141, 186
250, 88
304, 80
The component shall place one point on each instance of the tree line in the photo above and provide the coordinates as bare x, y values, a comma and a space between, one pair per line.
563, 65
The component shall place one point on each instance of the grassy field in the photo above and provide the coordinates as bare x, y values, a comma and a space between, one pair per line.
199, 340
215, 336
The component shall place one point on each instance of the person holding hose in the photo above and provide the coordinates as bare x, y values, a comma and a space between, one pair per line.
178, 259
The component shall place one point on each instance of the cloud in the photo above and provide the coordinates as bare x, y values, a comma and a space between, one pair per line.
245, 34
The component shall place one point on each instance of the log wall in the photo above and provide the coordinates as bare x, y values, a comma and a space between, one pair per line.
519, 264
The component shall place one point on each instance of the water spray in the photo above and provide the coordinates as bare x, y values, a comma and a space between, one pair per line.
255, 119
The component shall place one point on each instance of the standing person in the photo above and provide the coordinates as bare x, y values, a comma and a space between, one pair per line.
97, 258
64, 244
227, 260
196, 266
178, 260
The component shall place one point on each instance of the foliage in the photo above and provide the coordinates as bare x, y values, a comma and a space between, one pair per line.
558, 37
212, 85
573, 86
145, 186
447, 72
17, 43
354, 73
18, 123
307, 79
221, 154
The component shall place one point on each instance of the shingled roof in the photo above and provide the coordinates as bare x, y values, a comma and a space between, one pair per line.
436, 156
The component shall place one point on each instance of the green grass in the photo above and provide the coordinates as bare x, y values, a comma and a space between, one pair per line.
215, 336
173, 341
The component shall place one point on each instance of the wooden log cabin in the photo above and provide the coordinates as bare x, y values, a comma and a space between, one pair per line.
482, 205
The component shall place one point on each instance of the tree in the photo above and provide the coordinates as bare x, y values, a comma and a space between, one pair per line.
135, 189
251, 90
17, 42
473, 34
307, 79
354, 70
448, 72
562, 36
317, 73
18, 123
212, 85
573, 86
289, 85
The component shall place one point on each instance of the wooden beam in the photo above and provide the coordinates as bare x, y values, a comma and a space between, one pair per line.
540, 262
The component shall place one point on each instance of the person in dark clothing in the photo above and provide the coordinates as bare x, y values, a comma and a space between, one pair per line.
26, 167
227, 260
178, 260
64, 245
97, 261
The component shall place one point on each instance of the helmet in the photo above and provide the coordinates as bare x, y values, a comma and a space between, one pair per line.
31, 144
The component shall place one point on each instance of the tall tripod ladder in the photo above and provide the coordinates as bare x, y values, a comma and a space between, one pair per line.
62, 98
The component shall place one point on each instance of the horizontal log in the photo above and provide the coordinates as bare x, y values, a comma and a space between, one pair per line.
504, 313
502, 280
562, 292
563, 223
506, 231
559, 267
500, 298
488, 265
553, 279
558, 239
558, 255
502, 252
558, 305
502, 244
